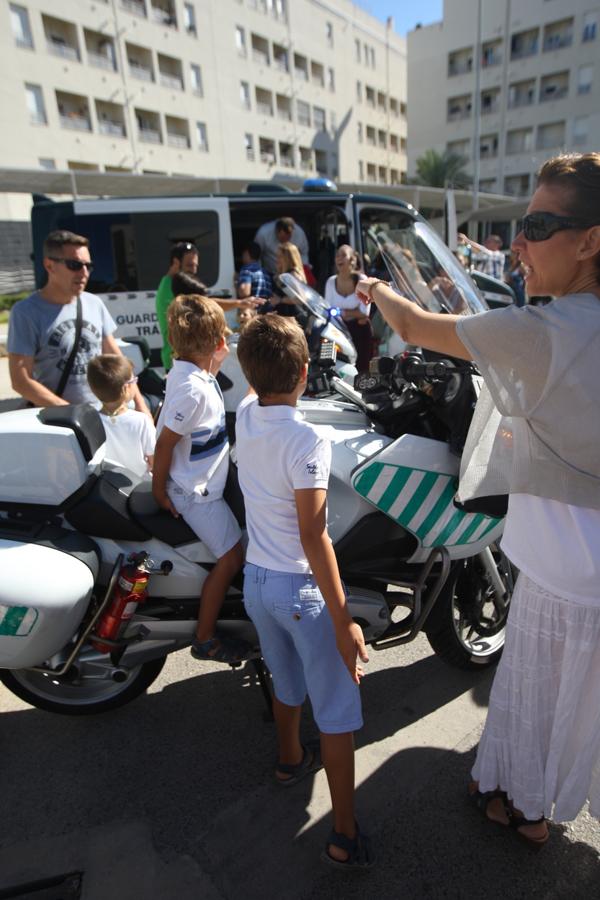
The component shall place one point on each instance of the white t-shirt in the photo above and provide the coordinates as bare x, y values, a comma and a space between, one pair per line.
555, 544
130, 437
194, 408
351, 301
277, 453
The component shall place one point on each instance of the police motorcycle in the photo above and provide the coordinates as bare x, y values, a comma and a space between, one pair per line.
99, 585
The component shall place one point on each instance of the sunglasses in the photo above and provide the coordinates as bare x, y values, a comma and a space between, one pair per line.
74, 265
132, 380
539, 226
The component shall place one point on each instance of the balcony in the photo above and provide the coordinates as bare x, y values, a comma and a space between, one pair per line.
264, 109
171, 81
521, 94
558, 35
135, 7
113, 129
286, 156
280, 58
149, 136
75, 122
491, 54
164, 16
142, 73
524, 44
553, 93
459, 113
101, 61
178, 140
260, 50
62, 49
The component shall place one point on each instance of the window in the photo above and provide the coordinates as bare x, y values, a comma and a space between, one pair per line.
357, 49
189, 19
321, 162
202, 137
306, 158
551, 136
359, 132
361, 170
319, 118
267, 151
382, 139
585, 77
329, 33
240, 40
249, 145
372, 57
554, 87
590, 25
245, 95
19, 20
371, 138
382, 175
372, 178
558, 34
359, 91
394, 143
581, 130
331, 79
488, 146
370, 95
393, 106
303, 112
46, 163
35, 104
196, 79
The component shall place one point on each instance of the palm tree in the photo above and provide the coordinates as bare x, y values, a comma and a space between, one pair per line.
445, 169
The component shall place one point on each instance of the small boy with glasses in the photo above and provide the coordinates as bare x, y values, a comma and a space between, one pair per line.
130, 435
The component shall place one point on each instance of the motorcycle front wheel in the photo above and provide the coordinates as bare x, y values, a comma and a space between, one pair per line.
467, 625
83, 696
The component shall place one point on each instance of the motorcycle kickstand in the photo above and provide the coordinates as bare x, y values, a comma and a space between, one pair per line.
262, 673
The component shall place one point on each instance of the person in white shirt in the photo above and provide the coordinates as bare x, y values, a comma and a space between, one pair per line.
130, 435
191, 460
292, 587
280, 231
539, 754
340, 293
487, 257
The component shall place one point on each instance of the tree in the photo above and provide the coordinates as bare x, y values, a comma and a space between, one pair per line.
445, 169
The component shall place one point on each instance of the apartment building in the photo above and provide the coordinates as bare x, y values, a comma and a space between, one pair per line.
507, 95
215, 88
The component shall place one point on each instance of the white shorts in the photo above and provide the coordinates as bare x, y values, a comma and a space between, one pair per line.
212, 521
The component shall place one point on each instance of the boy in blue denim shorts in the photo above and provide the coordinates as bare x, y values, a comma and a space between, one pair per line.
292, 587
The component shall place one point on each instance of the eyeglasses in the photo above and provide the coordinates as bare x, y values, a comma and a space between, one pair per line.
132, 380
539, 226
74, 265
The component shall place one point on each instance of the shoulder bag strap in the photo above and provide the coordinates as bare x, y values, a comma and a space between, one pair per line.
69, 366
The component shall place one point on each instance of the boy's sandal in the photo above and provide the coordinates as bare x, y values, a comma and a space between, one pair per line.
482, 801
360, 854
220, 650
310, 762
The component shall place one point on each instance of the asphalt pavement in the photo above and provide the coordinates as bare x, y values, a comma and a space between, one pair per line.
173, 796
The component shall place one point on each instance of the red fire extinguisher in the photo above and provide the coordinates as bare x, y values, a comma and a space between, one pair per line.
131, 588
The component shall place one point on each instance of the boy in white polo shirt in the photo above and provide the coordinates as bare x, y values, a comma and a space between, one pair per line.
191, 459
292, 587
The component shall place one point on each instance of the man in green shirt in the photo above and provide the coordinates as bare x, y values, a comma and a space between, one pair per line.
184, 258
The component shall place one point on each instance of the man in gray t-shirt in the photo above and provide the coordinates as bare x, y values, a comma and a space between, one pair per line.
42, 328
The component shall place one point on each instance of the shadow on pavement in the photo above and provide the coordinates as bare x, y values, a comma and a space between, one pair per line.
195, 760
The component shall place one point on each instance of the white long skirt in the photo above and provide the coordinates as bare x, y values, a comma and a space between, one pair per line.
541, 741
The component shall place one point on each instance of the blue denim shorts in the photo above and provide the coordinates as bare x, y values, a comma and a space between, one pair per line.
297, 640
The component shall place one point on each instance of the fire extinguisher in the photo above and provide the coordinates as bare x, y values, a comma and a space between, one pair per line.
131, 588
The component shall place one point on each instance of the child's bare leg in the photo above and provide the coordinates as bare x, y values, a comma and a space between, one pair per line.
337, 753
287, 722
214, 590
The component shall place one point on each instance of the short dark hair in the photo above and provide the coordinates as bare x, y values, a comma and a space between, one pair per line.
179, 250
56, 240
107, 375
253, 250
185, 284
286, 224
272, 351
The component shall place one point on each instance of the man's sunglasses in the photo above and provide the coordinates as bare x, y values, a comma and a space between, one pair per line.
539, 226
75, 265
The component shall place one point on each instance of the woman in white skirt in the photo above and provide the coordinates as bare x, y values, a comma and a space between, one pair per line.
539, 755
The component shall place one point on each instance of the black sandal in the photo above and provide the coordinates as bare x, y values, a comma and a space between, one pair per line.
482, 801
310, 762
221, 650
360, 854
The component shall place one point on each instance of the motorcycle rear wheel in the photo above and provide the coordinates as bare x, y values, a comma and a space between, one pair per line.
467, 625
71, 698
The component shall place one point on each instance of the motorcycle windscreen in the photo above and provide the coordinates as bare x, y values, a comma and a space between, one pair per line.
420, 497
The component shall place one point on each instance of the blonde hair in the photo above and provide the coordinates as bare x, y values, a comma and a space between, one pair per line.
107, 375
196, 325
289, 260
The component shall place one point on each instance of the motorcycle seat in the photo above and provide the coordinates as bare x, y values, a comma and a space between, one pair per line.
144, 509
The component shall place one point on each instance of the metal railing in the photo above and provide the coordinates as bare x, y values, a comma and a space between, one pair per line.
140, 72
557, 94
106, 126
63, 50
171, 81
135, 7
101, 61
162, 17
149, 136
261, 57
265, 109
178, 140
75, 122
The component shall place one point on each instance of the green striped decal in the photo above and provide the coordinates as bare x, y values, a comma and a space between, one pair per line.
423, 503
17, 621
